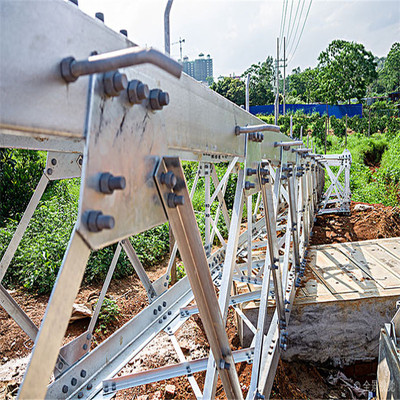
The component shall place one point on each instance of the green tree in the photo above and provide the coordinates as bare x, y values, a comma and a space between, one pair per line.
231, 88
305, 84
391, 69
261, 75
345, 71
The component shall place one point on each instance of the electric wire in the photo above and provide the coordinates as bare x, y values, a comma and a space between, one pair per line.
302, 30
280, 29
290, 20
284, 23
297, 28
294, 24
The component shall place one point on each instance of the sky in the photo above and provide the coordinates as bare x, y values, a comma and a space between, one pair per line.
238, 33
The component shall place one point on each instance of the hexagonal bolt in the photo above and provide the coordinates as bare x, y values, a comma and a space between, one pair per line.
124, 32
137, 91
114, 82
264, 181
175, 200
264, 171
108, 183
283, 346
95, 221
65, 389
158, 99
168, 179
100, 16
251, 171
249, 185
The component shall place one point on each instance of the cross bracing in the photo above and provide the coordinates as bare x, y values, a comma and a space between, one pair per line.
124, 119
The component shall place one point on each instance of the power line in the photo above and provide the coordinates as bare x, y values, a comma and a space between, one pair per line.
302, 30
280, 29
284, 22
297, 27
294, 23
290, 20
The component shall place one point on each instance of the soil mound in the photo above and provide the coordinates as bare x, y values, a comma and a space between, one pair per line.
372, 223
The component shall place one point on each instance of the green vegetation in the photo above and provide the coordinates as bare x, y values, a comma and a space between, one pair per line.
345, 71
109, 314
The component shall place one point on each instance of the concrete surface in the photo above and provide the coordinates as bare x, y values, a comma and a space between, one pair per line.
348, 293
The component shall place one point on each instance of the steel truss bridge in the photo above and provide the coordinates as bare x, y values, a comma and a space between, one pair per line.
123, 118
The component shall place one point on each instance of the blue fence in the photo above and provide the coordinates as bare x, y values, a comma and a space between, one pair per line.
338, 111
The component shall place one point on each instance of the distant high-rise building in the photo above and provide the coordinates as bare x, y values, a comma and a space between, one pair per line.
200, 69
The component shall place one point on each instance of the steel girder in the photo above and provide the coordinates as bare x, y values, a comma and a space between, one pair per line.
141, 145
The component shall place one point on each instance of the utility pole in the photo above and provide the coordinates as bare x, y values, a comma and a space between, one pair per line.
277, 83
284, 75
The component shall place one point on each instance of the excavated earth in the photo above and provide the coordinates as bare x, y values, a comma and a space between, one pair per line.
292, 381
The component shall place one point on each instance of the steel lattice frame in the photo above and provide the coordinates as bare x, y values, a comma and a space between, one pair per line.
145, 144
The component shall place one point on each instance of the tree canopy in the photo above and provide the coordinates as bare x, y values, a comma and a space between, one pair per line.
391, 70
345, 71
261, 75
231, 88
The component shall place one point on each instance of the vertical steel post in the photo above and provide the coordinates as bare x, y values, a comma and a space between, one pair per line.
167, 38
227, 276
180, 213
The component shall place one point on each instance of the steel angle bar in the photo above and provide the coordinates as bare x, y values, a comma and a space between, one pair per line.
259, 334
113, 354
219, 185
221, 198
160, 282
244, 318
207, 207
16, 312
12, 141
249, 233
227, 275
273, 262
170, 371
257, 206
104, 289
293, 217
23, 224
193, 383
234, 300
137, 265
181, 216
55, 321
253, 280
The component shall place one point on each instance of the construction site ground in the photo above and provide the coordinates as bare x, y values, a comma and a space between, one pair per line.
293, 380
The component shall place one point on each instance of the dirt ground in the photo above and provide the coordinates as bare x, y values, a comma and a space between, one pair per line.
292, 381
377, 223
